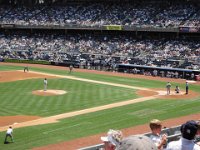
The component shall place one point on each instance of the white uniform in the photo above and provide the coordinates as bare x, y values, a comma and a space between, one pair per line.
183, 144
45, 84
156, 139
9, 134
9, 131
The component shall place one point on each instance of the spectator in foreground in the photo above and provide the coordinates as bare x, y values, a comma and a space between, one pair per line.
137, 142
113, 139
188, 132
197, 137
156, 137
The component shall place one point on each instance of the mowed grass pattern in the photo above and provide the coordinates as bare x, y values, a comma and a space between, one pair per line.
17, 97
88, 124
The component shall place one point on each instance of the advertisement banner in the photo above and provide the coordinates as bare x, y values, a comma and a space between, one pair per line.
113, 27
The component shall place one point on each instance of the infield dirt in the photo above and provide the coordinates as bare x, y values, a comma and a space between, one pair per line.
86, 141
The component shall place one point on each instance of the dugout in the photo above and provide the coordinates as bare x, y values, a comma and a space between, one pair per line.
162, 71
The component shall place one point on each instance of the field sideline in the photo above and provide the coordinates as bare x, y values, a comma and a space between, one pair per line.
16, 99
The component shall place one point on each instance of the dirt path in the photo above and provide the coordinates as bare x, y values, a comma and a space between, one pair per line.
53, 119
100, 72
95, 139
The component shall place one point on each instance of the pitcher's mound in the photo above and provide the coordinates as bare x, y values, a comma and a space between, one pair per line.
49, 92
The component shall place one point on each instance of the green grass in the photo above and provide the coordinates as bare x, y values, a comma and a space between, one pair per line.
16, 98
8, 67
113, 79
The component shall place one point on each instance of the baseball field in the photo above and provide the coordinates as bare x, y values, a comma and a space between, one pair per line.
79, 107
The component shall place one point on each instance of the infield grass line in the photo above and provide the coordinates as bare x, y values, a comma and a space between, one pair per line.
67, 127
92, 81
115, 118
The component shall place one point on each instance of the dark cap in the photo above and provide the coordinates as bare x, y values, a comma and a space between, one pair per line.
189, 129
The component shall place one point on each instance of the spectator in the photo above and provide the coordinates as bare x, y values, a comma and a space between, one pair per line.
156, 137
197, 138
188, 132
59, 48
139, 142
112, 140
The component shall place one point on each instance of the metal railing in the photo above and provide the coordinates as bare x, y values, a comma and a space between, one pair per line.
173, 134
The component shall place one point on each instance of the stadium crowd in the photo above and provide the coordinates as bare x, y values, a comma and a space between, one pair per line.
90, 49
194, 21
55, 47
97, 14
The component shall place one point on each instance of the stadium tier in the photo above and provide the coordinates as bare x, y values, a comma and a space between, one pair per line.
159, 38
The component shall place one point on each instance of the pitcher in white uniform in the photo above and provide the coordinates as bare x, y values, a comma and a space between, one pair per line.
45, 84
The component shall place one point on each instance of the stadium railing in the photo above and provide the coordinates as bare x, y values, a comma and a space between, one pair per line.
92, 27
173, 134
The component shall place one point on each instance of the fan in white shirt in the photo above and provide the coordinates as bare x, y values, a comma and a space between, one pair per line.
188, 131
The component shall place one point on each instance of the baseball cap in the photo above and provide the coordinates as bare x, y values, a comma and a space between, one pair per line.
137, 142
189, 129
113, 136
104, 138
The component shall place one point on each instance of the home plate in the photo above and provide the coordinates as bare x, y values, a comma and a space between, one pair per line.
172, 93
